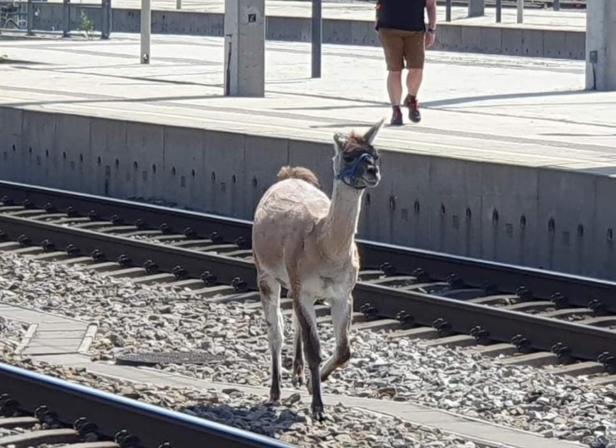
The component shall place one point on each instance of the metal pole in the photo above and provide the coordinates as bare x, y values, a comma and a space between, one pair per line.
520, 11
106, 26
556, 5
66, 18
317, 24
448, 10
499, 11
146, 30
30, 11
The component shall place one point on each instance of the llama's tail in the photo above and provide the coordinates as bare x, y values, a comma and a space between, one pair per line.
298, 172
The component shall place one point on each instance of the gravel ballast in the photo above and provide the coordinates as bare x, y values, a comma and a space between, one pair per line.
134, 318
290, 421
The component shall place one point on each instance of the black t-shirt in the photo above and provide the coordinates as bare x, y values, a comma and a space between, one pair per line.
405, 15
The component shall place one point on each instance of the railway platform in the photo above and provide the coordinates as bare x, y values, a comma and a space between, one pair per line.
513, 161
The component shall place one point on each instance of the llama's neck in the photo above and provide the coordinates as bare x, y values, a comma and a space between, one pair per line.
340, 225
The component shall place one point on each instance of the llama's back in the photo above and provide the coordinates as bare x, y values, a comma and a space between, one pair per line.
286, 214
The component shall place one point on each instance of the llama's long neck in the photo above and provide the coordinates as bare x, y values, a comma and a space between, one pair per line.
340, 225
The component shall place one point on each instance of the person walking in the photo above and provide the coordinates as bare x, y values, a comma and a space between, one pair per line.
402, 31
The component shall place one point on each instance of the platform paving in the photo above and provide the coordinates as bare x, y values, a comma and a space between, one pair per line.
507, 110
48, 334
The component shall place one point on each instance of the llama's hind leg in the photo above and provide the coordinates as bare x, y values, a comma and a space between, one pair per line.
298, 359
341, 316
269, 290
312, 350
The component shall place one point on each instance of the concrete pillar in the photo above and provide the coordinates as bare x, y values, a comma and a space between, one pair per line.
601, 45
476, 8
244, 48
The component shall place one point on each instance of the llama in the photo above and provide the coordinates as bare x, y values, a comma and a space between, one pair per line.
306, 244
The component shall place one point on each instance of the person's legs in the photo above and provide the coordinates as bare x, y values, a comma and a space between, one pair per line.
393, 47
394, 87
413, 81
414, 53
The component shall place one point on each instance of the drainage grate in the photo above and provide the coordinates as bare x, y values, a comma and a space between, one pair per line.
151, 359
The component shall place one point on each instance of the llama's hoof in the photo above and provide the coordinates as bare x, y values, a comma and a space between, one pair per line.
318, 414
274, 396
297, 380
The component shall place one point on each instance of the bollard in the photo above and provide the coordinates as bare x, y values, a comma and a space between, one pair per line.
556, 5
178, 4
520, 11
30, 10
146, 30
499, 11
106, 19
448, 10
317, 32
476, 8
66, 18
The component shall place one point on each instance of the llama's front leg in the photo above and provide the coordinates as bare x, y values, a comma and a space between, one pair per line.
312, 349
298, 359
269, 290
341, 317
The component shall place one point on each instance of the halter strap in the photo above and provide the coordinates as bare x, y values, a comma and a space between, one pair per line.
349, 175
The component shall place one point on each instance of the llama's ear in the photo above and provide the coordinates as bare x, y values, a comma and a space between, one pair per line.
373, 131
341, 141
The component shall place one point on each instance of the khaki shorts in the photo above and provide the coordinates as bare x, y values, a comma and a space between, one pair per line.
400, 46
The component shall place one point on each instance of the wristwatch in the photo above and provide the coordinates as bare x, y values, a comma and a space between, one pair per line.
431, 30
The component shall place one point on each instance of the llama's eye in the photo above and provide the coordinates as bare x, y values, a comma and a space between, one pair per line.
348, 158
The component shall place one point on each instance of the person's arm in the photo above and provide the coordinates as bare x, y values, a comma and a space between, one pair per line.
431, 32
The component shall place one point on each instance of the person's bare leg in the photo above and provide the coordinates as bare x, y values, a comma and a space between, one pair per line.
413, 83
394, 87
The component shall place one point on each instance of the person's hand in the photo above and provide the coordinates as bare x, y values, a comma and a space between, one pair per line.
430, 38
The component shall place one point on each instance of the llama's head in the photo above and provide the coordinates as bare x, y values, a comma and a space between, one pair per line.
356, 160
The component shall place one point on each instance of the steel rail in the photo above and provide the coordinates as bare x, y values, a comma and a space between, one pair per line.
153, 425
577, 290
584, 342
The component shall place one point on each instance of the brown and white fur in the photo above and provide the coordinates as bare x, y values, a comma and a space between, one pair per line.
306, 243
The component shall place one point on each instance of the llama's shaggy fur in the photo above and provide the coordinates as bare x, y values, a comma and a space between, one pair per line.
306, 243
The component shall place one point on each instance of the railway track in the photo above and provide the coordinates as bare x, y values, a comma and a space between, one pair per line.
530, 315
38, 410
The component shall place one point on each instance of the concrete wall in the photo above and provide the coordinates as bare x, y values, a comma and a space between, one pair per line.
451, 37
536, 217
